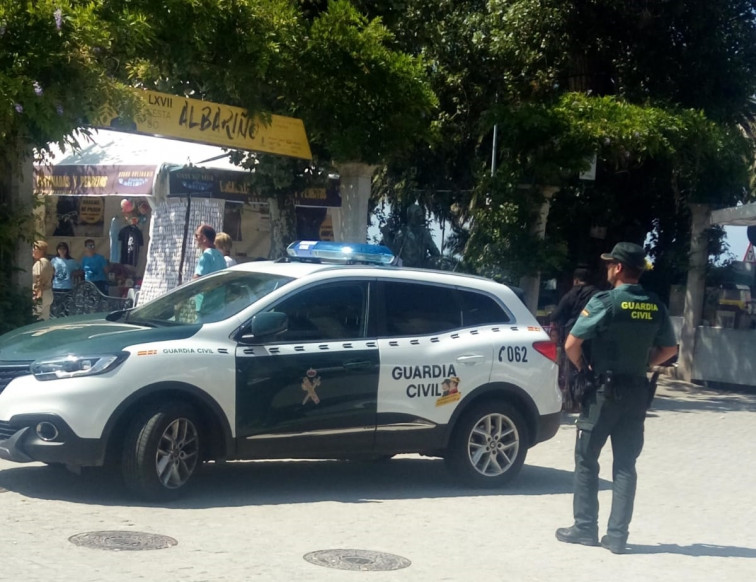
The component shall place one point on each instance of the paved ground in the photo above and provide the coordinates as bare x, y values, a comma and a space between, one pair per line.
694, 518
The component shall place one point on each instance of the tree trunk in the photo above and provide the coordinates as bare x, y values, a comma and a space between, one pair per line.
16, 196
696, 284
531, 284
283, 224
356, 184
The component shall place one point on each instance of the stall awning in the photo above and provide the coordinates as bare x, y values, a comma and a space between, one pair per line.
95, 180
112, 163
744, 215
121, 164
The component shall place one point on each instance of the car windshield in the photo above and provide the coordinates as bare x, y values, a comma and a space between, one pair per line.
208, 299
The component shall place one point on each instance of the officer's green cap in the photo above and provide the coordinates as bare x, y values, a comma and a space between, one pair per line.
627, 253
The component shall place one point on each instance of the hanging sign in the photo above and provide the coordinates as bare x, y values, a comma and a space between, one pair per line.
171, 116
94, 180
91, 209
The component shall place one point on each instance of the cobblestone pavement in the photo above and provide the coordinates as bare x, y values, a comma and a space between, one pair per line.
694, 517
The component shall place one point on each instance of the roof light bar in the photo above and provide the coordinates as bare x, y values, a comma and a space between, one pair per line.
336, 252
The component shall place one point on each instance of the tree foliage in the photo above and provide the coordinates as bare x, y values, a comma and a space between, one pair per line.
363, 100
56, 68
679, 74
61, 61
670, 156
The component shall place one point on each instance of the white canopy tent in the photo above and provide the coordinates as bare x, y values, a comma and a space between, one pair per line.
112, 148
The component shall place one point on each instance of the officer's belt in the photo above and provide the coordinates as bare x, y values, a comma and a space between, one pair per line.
622, 379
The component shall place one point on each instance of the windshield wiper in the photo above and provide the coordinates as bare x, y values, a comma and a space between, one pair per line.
144, 322
116, 315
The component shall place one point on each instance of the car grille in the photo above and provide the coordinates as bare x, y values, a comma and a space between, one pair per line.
10, 371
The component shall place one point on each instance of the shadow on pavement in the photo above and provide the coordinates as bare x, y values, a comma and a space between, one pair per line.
250, 483
697, 550
678, 396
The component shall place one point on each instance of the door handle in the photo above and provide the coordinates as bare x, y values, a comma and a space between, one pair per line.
358, 365
471, 359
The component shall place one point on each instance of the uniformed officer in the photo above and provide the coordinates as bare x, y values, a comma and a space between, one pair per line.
630, 330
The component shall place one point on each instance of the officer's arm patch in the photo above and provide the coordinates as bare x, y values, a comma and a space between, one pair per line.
585, 313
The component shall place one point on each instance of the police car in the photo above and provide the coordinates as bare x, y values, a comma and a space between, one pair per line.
331, 353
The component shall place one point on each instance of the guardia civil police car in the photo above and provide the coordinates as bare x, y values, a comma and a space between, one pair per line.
302, 358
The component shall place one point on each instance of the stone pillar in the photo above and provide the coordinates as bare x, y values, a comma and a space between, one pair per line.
351, 224
531, 284
696, 284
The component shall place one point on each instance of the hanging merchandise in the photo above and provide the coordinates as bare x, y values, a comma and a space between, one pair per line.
131, 242
135, 212
115, 250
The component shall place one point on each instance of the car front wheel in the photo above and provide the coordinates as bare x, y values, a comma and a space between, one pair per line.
488, 446
161, 451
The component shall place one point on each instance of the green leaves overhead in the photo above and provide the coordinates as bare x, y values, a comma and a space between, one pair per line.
361, 99
549, 144
56, 67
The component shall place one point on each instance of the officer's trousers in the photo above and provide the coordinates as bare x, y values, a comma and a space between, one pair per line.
621, 420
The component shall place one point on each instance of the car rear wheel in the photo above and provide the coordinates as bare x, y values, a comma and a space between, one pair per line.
161, 451
488, 446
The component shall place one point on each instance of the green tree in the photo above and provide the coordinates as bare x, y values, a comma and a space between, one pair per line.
687, 65
362, 100
62, 61
56, 70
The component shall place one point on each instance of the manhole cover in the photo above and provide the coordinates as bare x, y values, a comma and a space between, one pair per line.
122, 540
363, 560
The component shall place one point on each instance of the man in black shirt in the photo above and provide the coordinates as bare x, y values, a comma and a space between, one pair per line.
564, 317
567, 311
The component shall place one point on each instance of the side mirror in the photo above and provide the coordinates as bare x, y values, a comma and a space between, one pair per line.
265, 325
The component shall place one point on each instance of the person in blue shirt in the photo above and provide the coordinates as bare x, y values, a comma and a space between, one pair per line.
210, 259
95, 266
65, 267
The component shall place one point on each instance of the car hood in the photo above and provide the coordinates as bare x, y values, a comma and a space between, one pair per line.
88, 334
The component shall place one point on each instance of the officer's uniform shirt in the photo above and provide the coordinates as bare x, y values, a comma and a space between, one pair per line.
624, 324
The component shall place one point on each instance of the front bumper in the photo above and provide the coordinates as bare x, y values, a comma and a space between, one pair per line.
548, 425
21, 442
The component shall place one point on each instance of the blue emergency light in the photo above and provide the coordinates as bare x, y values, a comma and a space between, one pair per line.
337, 252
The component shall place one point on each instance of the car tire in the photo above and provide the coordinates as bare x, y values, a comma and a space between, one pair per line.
488, 446
161, 451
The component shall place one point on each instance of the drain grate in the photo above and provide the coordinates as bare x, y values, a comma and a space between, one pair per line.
122, 540
360, 560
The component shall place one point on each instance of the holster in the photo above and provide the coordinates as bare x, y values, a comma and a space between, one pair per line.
583, 385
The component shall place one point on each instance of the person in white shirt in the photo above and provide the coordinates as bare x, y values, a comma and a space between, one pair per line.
223, 244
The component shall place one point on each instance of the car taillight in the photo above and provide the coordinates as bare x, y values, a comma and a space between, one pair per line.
546, 348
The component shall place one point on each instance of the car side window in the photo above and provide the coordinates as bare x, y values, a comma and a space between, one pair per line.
419, 309
325, 313
480, 309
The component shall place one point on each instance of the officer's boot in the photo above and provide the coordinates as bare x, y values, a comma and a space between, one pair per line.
585, 500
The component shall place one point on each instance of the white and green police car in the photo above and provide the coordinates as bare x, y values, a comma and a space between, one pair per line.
302, 358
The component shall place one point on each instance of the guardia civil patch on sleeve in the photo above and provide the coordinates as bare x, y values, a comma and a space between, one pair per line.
585, 313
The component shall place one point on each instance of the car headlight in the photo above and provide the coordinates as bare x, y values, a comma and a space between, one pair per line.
76, 366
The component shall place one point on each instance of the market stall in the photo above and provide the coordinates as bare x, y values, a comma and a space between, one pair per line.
140, 198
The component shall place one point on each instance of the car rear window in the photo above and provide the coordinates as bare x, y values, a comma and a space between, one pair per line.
480, 309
